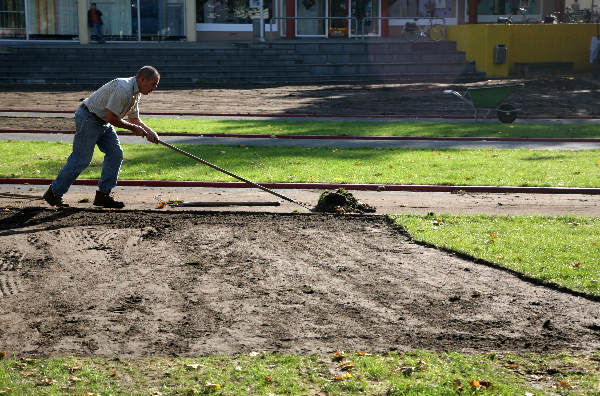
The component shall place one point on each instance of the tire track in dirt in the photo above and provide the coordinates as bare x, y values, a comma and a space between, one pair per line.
190, 283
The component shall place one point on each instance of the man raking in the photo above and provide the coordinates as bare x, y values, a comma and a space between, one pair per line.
95, 122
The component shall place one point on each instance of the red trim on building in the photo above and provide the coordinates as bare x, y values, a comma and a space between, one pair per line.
473, 11
385, 23
290, 26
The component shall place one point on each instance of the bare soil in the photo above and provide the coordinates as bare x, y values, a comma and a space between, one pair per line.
140, 284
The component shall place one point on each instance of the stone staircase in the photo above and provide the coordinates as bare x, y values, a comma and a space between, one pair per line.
234, 63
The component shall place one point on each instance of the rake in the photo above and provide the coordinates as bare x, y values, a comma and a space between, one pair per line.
192, 156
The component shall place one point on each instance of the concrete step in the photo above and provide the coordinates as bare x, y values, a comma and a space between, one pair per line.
298, 61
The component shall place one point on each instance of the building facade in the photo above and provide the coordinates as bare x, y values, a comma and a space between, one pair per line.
193, 20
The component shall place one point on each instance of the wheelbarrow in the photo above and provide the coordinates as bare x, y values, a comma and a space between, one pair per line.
489, 98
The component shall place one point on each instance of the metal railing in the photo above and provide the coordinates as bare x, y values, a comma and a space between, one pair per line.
348, 19
414, 20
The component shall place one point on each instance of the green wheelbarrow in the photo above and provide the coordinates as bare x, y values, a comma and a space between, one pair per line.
489, 98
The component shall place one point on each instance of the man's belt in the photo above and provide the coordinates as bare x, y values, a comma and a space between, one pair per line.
93, 114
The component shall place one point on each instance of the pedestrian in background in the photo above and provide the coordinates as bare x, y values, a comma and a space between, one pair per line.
95, 120
95, 22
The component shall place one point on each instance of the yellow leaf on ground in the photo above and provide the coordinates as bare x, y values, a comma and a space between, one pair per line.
339, 356
474, 384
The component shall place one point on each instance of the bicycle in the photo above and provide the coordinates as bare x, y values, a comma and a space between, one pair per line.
413, 31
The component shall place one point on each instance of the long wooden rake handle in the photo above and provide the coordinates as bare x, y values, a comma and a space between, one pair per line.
192, 156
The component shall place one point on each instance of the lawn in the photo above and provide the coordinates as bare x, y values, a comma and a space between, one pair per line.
559, 250
496, 167
373, 128
415, 373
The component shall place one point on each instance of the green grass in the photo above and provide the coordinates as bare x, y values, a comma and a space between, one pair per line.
415, 373
329, 165
369, 128
562, 250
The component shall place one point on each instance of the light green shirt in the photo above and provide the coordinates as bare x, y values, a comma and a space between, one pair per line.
121, 96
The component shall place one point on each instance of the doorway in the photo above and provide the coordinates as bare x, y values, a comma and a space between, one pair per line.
367, 13
348, 18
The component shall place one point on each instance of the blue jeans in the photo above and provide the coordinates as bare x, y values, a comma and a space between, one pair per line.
91, 131
98, 30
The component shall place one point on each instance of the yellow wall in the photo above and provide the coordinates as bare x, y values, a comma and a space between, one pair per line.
524, 43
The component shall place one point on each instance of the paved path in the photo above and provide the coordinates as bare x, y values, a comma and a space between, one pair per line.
386, 202
230, 141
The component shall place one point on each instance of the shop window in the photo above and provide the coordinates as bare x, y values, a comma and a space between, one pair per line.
12, 18
421, 8
230, 11
505, 7
52, 19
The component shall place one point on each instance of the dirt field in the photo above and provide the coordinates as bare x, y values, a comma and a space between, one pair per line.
544, 97
141, 284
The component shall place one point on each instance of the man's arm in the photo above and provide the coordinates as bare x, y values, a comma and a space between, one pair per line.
136, 126
150, 134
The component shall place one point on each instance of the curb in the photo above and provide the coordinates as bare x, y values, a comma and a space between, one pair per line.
325, 186
331, 137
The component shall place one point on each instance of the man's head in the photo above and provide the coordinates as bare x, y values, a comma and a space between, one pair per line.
94, 5
147, 79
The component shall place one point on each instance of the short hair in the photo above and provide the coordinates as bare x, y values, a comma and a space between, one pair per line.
93, 4
148, 72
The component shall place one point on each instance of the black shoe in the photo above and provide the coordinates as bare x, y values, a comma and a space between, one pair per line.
106, 201
53, 200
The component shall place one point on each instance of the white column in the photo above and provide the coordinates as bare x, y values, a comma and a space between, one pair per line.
190, 20
82, 9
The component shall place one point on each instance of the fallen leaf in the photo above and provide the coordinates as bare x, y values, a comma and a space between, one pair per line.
74, 379
113, 373
213, 386
45, 381
28, 373
486, 384
339, 356
161, 204
343, 377
493, 236
192, 366
346, 366
513, 366
477, 293
268, 379
564, 384
576, 265
2, 355
474, 384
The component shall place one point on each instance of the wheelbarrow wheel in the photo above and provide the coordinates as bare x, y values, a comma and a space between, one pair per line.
507, 114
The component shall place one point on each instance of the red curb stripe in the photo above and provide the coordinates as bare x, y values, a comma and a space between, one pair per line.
332, 137
314, 115
324, 186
